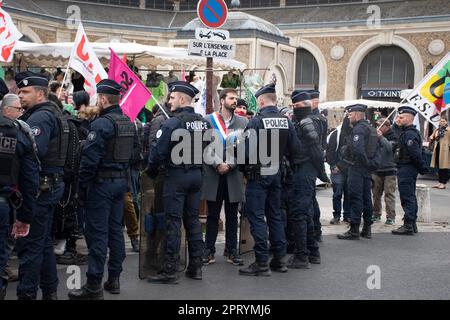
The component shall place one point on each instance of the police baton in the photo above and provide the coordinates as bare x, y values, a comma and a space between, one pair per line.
162, 109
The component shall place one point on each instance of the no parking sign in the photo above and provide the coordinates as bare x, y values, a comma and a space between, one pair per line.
212, 13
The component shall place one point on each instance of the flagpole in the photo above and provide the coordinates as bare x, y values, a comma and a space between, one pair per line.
161, 108
395, 109
64, 79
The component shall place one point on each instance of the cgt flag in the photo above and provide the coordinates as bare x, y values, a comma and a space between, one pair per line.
432, 95
9, 35
134, 94
84, 60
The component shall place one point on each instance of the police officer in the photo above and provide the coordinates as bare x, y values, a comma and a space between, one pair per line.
19, 185
183, 181
301, 195
37, 264
409, 159
358, 151
105, 159
264, 181
322, 131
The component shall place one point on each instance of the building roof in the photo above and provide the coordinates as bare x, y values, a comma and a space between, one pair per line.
305, 17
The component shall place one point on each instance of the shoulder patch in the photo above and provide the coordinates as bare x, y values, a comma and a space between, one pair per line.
92, 136
355, 137
158, 134
410, 142
36, 131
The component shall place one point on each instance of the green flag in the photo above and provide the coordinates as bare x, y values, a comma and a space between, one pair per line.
251, 101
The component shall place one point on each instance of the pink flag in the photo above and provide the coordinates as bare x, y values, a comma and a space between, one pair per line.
9, 35
134, 94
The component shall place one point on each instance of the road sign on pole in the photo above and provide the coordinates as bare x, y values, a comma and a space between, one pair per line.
212, 13
210, 34
211, 49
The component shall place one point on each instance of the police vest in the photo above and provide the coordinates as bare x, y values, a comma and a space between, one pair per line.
401, 153
9, 161
307, 133
192, 122
371, 139
274, 122
119, 148
57, 148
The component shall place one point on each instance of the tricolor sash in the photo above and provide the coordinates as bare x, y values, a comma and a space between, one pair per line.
219, 125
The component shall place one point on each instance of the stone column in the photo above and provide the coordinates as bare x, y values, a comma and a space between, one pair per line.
141, 4
282, 3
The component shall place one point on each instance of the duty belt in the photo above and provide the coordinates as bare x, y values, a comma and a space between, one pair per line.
112, 174
47, 181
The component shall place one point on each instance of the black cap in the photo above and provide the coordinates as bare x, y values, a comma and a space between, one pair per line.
314, 94
109, 86
184, 87
31, 79
300, 95
270, 88
407, 109
241, 102
3, 89
356, 107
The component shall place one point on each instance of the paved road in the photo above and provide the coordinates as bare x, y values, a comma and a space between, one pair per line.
416, 267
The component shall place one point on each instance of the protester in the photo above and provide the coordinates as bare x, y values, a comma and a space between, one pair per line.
441, 152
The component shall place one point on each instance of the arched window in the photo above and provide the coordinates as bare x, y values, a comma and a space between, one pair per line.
384, 72
306, 70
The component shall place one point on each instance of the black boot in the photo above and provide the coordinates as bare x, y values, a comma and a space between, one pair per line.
415, 227
256, 269
298, 262
314, 258
112, 285
164, 278
278, 265
50, 296
194, 269
406, 229
3, 289
92, 290
351, 234
366, 231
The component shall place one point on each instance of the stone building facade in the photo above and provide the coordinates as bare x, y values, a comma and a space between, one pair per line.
338, 36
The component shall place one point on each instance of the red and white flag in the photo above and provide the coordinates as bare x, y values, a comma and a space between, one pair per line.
9, 36
84, 60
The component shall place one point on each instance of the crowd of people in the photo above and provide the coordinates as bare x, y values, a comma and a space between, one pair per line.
70, 171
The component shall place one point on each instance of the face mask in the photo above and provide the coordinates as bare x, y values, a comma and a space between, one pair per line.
301, 113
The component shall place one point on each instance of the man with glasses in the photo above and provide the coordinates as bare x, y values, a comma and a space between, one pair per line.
10, 106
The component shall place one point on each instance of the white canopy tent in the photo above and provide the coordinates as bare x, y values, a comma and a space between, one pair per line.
57, 54
368, 103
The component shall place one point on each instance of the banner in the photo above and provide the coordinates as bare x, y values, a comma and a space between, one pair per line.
432, 95
9, 35
134, 94
251, 101
84, 60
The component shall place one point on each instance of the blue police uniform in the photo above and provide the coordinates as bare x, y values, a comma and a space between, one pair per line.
263, 204
37, 264
105, 159
410, 162
359, 149
182, 188
302, 194
19, 173
322, 130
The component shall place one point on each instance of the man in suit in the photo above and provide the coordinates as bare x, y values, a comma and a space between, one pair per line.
222, 180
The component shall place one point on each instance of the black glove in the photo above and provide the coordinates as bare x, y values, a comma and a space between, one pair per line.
82, 195
152, 173
323, 177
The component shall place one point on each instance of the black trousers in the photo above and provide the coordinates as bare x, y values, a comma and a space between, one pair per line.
443, 173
